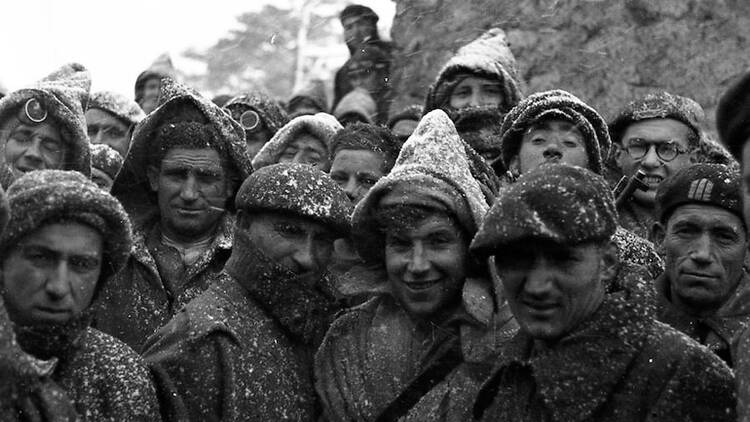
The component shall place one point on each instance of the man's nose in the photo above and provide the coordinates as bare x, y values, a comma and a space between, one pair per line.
58, 283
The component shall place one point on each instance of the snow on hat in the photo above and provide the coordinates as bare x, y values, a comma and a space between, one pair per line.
315, 91
431, 170
298, 189
488, 56
106, 159
557, 202
63, 94
47, 196
270, 111
177, 106
162, 67
119, 105
321, 125
658, 105
562, 105
704, 183
733, 116
353, 10
359, 102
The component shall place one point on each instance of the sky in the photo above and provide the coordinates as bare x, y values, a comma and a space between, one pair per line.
116, 40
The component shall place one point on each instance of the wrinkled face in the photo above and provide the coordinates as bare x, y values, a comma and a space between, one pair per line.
34, 147
475, 91
300, 244
150, 95
705, 249
551, 141
356, 170
306, 149
426, 266
552, 288
51, 276
105, 128
192, 187
746, 180
653, 131
101, 179
357, 30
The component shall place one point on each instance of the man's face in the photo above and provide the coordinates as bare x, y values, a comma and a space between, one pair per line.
426, 265
655, 131
705, 249
34, 147
300, 244
51, 275
356, 171
105, 128
551, 141
358, 29
367, 77
150, 95
474, 91
306, 149
552, 288
193, 188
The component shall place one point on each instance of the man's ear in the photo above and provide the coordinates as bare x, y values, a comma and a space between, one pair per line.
610, 262
152, 173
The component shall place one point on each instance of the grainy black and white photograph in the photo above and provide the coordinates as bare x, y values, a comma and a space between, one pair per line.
375, 211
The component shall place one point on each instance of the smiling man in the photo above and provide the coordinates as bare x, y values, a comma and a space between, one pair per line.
704, 291
189, 158
588, 348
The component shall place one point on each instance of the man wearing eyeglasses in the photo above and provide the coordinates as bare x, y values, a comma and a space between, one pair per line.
261, 117
658, 134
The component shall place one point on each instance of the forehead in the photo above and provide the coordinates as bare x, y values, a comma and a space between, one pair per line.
187, 157
70, 237
306, 141
433, 222
474, 80
658, 130
103, 117
43, 129
357, 159
705, 215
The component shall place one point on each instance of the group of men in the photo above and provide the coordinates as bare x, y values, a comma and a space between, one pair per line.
491, 255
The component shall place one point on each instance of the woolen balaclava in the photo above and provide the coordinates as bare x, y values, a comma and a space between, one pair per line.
322, 126
558, 105
704, 183
125, 109
63, 94
564, 204
272, 114
488, 56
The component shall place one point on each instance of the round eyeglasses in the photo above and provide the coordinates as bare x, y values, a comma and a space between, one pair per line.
666, 150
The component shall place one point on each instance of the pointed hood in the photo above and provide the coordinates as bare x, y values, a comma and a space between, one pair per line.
322, 126
274, 116
360, 102
162, 67
432, 168
64, 94
488, 56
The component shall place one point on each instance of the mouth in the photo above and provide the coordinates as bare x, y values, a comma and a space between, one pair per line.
53, 313
652, 181
421, 285
541, 307
699, 276
189, 211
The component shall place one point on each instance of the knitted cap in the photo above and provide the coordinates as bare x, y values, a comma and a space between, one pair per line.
270, 111
119, 105
711, 184
322, 126
560, 105
354, 10
106, 159
658, 105
733, 116
359, 102
63, 94
314, 91
432, 168
557, 202
298, 189
162, 67
47, 196
487, 56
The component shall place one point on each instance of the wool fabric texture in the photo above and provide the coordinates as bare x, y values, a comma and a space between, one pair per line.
704, 183
733, 116
122, 107
314, 91
298, 189
359, 102
322, 126
557, 105
106, 159
273, 115
658, 105
561, 203
63, 93
44, 196
487, 56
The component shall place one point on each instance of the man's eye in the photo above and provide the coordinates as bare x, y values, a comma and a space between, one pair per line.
21, 137
570, 144
367, 181
538, 140
397, 242
38, 257
52, 146
83, 264
113, 132
338, 178
286, 229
